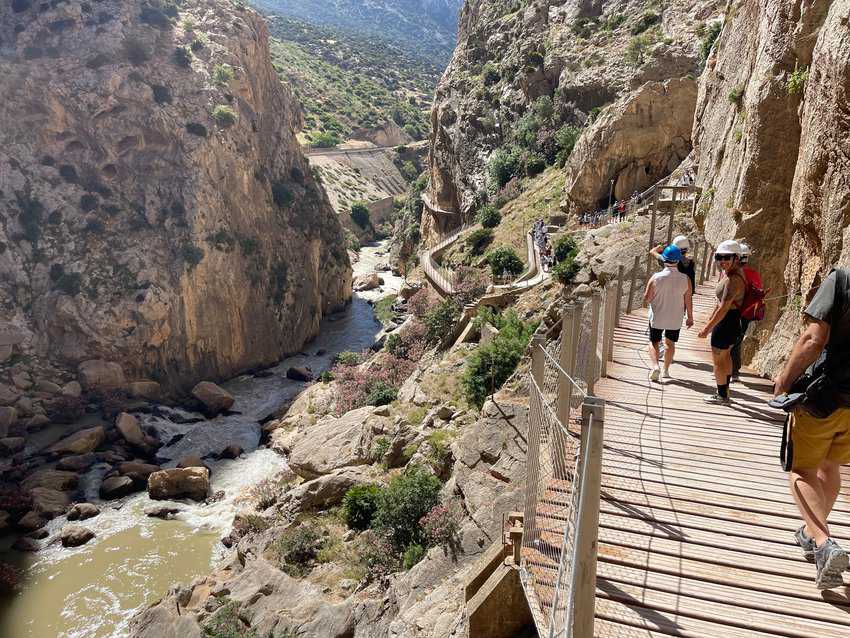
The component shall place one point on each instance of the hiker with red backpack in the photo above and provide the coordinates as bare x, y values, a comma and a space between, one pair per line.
752, 308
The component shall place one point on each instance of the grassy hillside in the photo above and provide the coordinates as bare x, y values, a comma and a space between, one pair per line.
349, 81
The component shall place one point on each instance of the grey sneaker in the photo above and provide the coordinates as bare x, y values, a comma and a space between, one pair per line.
806, 543
831, 561
716, 399
653, 376
735, 378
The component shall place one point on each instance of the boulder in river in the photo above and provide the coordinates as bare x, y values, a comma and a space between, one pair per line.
367, 282
83, 511
78, 463
12, 445
193, 460
231, 452
138, 471
31, 521
129, 428
299, 373
214, 398
81, 442
150, 390
72, 389
27, 545
97, 374
190, 482
116, 487
165, 512
75, 535
54, 479
48, 502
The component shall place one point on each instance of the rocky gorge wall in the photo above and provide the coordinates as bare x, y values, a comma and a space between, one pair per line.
155, 207
770, 138
511, 53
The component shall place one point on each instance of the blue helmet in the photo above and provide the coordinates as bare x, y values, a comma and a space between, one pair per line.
672, 254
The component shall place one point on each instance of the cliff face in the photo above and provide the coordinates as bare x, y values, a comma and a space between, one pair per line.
582, 54
770, 140
155, 207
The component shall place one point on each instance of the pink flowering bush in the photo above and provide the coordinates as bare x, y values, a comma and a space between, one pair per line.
470, 284
441, 525
374, 385
421, 302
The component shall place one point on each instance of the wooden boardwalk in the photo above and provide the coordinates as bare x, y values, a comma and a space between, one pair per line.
696, 520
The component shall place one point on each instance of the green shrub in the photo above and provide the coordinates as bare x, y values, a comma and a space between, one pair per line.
736, 95
381, 394
709, 37
636, 50
440, 442
192, 255
225, 623
565, 271
325, 139
479, 239
282, 195
360, 214
439, 320
297, 549
648, 19
69, 283
182, 57
503, 166
489, 216
504, 260
493, 363
565, 248
534, 164
535, 59
412, 555
326, 376
490, 73
224, 115
565, 140
348, 358
222, 74
797, 80
359, 506
401, 505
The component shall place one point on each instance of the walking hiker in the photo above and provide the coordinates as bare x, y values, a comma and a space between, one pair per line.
752, 310
621, 209
669, 296
724, 325
820, 423
686, 264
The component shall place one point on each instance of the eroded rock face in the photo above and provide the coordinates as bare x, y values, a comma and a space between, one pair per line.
635, 142
138, 228
769, 151
508, 56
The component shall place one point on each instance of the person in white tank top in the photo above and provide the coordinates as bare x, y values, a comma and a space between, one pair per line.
669, 295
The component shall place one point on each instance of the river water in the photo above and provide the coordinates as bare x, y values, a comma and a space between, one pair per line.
93, 591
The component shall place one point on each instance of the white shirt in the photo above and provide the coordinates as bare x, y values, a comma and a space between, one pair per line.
667, 308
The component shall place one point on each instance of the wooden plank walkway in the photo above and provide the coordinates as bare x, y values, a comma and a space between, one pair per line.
696, 521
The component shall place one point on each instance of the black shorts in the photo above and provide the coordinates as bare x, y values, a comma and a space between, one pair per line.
726, 333
670, 335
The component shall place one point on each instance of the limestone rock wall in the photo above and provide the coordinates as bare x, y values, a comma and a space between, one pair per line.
772, 150
511, 53
155, 207
633, 144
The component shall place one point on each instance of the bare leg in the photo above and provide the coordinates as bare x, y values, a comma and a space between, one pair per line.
653, 354
669, 351
722, 365
814, 492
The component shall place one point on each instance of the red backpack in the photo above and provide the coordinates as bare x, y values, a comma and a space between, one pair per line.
753, 306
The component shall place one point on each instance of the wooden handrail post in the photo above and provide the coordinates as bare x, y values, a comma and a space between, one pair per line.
695, 259
670, 223
569, 339
606, 326
650, 258
532, 463
596, 303
630, 305
582, 609
538, 342
618, 305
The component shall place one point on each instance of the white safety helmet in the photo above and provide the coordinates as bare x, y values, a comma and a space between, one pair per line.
681, 242
728, 247
745, 252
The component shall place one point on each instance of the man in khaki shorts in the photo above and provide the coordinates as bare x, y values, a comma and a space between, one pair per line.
821, 444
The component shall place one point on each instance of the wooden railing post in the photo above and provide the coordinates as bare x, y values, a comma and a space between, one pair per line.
582, 608
618, 306
606, 326
609, 353
695, 259
532, 463
631, 303
538, 342
650, 258
595, 307
569, 339
670, 223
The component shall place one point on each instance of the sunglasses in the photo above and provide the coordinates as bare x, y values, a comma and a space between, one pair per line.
723, 257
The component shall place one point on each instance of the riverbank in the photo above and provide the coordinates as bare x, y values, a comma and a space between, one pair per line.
92, 591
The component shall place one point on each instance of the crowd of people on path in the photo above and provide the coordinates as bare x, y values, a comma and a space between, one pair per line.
540, 233
813, 387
